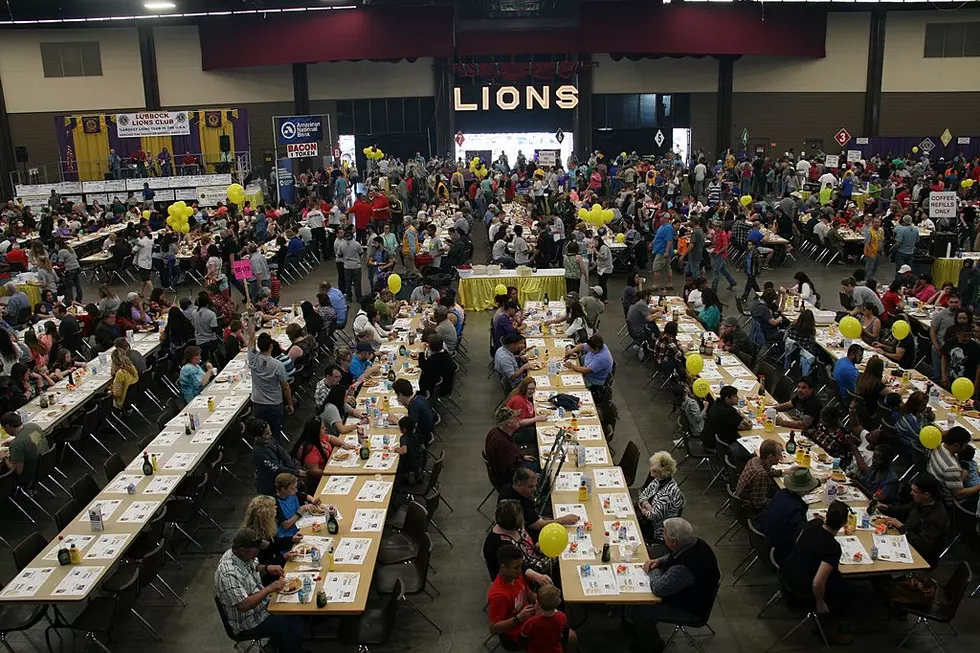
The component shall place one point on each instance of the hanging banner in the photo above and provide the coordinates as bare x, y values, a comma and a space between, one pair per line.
853, 156
153, 123
546, 158
285, 182
831, 161
300, 129
211, 195
301, 150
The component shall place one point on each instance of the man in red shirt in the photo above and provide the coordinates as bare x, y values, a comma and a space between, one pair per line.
719, 257
381, 210
511, 602
362, 212
904, 198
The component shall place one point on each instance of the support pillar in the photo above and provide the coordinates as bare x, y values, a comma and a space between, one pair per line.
582, 130
301, 90
726, 74
148, 63
876, 62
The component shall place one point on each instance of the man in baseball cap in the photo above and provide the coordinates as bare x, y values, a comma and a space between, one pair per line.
786, 513
244, 601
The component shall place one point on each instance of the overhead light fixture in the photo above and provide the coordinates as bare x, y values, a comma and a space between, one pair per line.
159, 6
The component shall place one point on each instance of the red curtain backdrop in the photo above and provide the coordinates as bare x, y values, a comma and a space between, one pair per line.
617, 27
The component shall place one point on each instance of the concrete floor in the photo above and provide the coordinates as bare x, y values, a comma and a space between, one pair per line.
460, 573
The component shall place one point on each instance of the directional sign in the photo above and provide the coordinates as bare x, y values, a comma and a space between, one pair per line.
927, 145
843, 137
946, 137
659, 138
559, 135
745, 136
460, 139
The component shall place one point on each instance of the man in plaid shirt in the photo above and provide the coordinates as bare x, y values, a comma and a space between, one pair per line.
755, 483
667, 353
740, 232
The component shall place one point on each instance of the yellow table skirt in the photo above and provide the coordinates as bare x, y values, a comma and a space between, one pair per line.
946, 269
476, 294
33, 292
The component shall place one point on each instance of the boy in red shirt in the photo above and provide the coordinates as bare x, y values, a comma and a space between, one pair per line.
547, 631
511, 602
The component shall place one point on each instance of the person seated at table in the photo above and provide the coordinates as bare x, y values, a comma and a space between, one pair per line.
767, 322
924, 520
504, 323
260, 516
723, 419
641, 318
829, 434
971, 474
18, 307
264, 308
805, 404
292, 504
411, 449
418, 407
521, 399
661, 499
45, 307
510, 602
425, 293
710, 313
941, 297
436, 366
693, 295
23, 452
178, 332
509, 361
24, 385
62, 363
846, 371
314, 447
361, 368
38, 351
522, 489
193, 377
924, 290
801, 342
594, 305
509, 528
734, 339
245, 601
755, 484
901, 351
138, 312
877, 477
158, 304
784, 515
667, 353
870, 322
444, 328
125, 322
596, 364
268, 456
805, 289
892, 301
124, 375
868, 392
685, 580
576, 324
961, 356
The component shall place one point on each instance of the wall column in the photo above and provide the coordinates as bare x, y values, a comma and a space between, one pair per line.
444, 122
582, 130
301, 89
726, 75
876, 62
148, 63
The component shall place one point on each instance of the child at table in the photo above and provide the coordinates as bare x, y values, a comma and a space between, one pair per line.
547, 631
971, 478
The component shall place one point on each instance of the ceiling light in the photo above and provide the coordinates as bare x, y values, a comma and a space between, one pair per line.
159, 6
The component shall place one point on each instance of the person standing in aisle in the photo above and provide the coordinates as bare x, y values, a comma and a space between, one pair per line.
349, 251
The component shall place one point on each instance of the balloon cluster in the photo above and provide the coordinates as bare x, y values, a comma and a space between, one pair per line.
372, 152
596, 216
966, 183
177, 216
478, 168
236, 194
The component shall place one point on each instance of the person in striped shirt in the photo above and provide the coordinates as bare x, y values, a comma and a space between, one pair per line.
944, 465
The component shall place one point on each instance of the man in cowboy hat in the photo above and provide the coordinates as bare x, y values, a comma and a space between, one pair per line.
785, 515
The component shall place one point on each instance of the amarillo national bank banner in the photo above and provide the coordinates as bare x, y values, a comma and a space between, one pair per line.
153, 123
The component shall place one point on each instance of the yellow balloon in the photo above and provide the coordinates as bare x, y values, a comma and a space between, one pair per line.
962, 388
701, 388
850, 328
620, 238
146, 214
596, 208
745, 200
583, 214
915, 150
694, 364
608, 215
552, 540
901, 330
930, 437
499, 289
967, 183
394, 283
179, 206
236, 194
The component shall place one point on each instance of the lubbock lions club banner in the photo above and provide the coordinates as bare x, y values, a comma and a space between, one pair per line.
285, 181
84, 141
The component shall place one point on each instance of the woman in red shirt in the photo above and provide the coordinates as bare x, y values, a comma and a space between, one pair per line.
892, 301
521, 399
314, 447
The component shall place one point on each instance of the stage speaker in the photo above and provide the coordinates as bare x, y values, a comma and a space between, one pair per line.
224, 141
21, 153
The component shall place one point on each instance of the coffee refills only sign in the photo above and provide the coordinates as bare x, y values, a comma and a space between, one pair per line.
512, 98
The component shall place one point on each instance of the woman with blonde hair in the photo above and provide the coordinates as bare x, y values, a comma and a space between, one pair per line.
521, 399
260, 515
124, 374
660, 499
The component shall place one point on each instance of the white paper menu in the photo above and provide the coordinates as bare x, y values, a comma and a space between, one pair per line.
138, 512
120, 483
374, 491
27, 583
577, 509
607, 478
368, 520
381, 460
163, 484
631, 579
600, 580
341, 586
105, 506
352, 551
79, 581
107, 547
205, 436
568, 481
180, 461
340, 485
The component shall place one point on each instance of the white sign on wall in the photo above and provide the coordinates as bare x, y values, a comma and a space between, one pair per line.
853, 156
831, 161
546, 158
942, 204
211, 195
153, 123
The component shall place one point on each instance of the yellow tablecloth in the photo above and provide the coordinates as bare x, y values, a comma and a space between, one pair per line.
476, 293
255, 196
946, 269
33, 292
